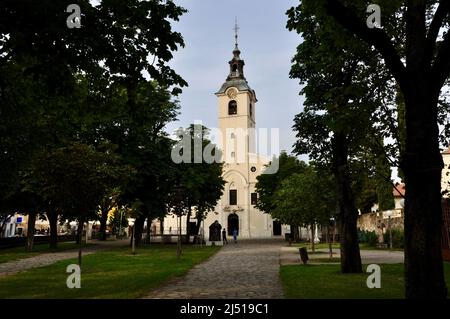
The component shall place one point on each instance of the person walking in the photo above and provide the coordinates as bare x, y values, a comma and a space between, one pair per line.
235, 233
224, 236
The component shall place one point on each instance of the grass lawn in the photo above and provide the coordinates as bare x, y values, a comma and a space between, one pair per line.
316, 246
324, 260
107, 274
10, 254
326, 281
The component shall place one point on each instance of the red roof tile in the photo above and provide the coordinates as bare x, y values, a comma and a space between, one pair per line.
399, 190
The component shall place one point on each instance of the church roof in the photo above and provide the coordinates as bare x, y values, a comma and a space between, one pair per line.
238, 83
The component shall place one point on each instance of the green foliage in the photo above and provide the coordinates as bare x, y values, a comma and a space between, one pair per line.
200, 184
368, 237
122, 34
304, 199
74, 178
268, 184
398, 238
118, 221
383, 184
79, 115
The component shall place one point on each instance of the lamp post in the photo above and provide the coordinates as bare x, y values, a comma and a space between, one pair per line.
331, 240
389, 215
133, 244
120, 223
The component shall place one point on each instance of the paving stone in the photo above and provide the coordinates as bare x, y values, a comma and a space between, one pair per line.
246, 270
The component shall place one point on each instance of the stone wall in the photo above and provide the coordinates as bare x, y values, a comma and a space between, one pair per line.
378, 222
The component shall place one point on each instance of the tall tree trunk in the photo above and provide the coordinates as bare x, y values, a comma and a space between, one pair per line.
347, 212
161, 226
149, 224
80, 230
422, 165
188, 228
294, 233
197, 228
138, 230
313, 232
52, 216
103, 223
30, 230
330, 241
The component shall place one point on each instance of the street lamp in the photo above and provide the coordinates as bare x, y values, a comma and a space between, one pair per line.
120, 222
389, 215
331, 225
133, 244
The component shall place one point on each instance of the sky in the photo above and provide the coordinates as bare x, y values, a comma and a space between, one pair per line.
266, 46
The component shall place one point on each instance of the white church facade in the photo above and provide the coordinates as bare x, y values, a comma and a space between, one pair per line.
237, 122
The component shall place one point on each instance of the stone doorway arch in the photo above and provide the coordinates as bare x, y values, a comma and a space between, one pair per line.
233, 223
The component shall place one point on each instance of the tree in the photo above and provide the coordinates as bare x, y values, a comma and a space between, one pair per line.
267, 185
201, 180
137, 130
384, 187
19, 138
119, 43
118, 221
73, 180
412, 48
305, 199
122, 34
106, 205
336, 126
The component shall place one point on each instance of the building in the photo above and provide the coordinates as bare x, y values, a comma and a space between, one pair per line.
445, 180
237, 123
17, 226
445, 186
376, 221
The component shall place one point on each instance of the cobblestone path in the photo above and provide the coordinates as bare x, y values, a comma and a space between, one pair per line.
246, 270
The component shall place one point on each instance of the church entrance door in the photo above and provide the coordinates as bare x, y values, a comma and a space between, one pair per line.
276, 228
233, 223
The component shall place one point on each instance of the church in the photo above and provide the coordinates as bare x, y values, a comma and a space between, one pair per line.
237, 123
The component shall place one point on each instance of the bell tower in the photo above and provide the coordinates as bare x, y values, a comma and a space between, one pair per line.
236, 114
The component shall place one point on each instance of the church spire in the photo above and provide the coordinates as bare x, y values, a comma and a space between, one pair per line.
236, 64
236, 29
236, 76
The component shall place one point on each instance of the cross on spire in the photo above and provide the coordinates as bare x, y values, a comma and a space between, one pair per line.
236, 29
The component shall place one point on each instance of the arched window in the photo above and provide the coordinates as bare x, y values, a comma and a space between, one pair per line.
232, 108
251, 109
233, 196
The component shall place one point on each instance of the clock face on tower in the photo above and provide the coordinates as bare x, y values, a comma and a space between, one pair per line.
232, 93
